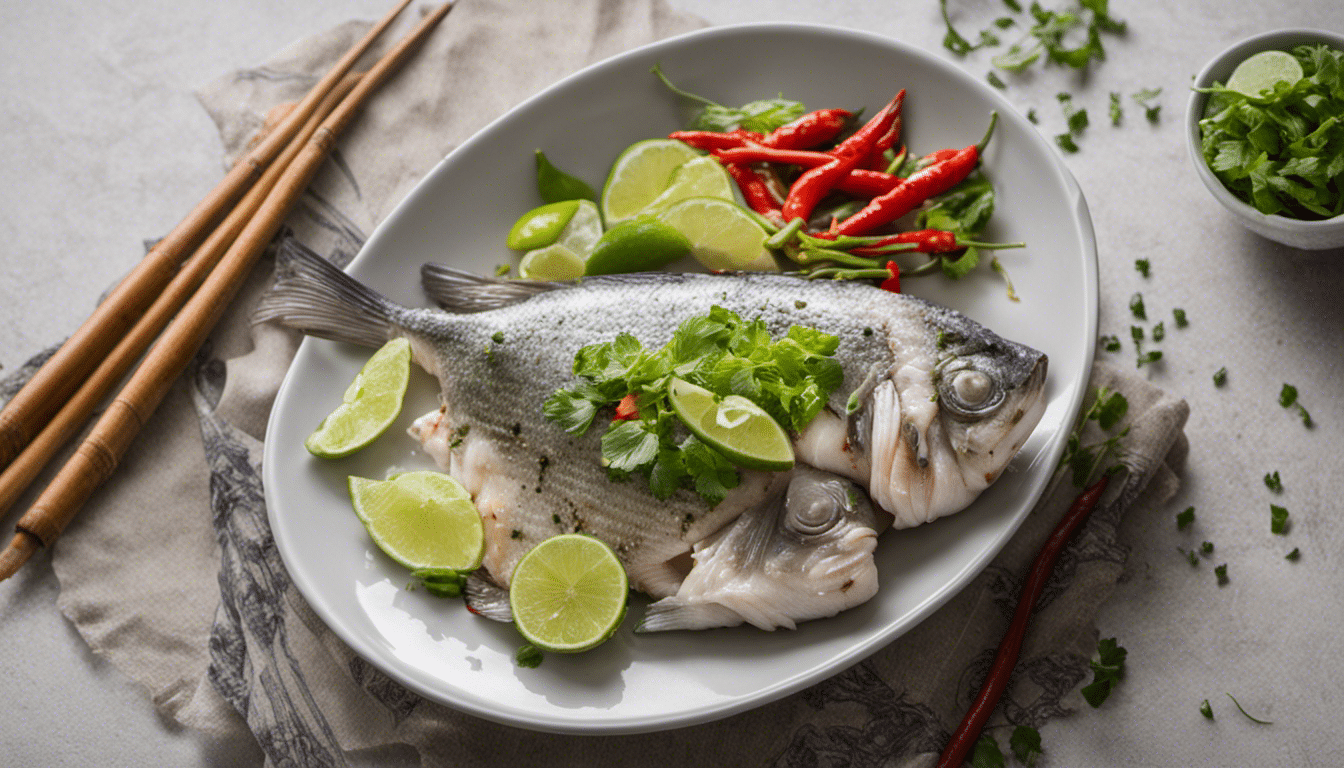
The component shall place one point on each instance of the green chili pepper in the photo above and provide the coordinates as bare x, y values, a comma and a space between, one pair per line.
555, 185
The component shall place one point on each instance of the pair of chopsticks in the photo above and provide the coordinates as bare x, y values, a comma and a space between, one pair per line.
176, 294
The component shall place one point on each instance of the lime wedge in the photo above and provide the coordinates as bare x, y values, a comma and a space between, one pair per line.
423, 520
554, 262
701, 177
723, 236
583, 229
1262, 71
541, 226
370, 405
568, 593
737, 427
636, 245
639, 175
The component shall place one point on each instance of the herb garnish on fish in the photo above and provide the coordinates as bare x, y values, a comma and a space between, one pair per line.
790, 379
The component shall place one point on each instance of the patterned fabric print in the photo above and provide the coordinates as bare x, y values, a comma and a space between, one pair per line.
251, 663
891, 725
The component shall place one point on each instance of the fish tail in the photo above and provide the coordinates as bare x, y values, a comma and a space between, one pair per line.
314, 296
462, 292
672, 613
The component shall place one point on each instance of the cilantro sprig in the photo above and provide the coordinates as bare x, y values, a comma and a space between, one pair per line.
1283, 151
1083, 460
790, 378
1106, 671
761, 116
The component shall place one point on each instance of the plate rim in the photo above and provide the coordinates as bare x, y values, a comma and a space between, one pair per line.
633, 724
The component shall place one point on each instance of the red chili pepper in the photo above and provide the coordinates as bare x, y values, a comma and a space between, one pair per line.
865, 183
925, 240
810, 130
626, 410
755, 191
909, 194
877, 158
963, 740
712, 140
813, 185
860, 181
892, 283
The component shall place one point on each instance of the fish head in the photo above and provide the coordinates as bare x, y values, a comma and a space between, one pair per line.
806, 552
944, 425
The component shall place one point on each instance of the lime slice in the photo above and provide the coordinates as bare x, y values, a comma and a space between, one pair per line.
568, 593
636, 245
723, 236
702, 177
554, 262
735, 426
639, 175
583, 229
1262, 71
541, 226
423, 520
371, 403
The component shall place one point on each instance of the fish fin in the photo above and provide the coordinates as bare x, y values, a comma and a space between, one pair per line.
487, 599
314, 296
674, 613
466, 293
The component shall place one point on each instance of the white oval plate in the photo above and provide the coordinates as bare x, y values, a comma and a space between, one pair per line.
460, 213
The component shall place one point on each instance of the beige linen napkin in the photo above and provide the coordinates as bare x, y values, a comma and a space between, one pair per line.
172, 573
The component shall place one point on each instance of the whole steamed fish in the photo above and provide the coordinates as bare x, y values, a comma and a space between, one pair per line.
932, 408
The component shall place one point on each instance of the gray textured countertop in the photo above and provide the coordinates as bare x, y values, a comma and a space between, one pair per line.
105, 147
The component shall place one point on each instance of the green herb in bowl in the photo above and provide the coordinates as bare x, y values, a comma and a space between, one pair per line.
1274, 133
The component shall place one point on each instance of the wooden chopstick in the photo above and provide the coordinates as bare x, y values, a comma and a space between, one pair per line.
30, 408
21, 472
97, 456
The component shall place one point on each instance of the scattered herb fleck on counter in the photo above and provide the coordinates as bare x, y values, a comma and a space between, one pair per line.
1025, 742
1136, 306
1278, 520
1185, 518
1294, 555
1288, 399
1159, 332
1117, 113
1145, 99
1247, 714
987, 753
1206, 548
1221, 572
1206, 709
1143, 266
1110, 343
1272, 481
1106, 671
1220, 377
1179, 315
1190, 556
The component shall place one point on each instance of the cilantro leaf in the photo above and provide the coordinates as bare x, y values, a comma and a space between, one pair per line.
1185, 518
1136, 306
986, 753
1179, 315
1106, 671
1294, 555
629, 446
1143, 266
1146, 99
1221, 572
1288, 396
761, 116
1110, 343
1116, 112
1066, 142
1272, 481
1025, 742
1206, 709
1220, 377
995, 80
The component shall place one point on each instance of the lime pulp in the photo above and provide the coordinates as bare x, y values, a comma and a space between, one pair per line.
568, 593
422, 519
370, 404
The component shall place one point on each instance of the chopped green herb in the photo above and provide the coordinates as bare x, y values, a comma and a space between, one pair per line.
440, 582
790, 378
1106, 671
1159, 332
1083, 461
1145, 99
1206, 548
1066, 142
498, 338
1151, 356
1031, 116
1272, 481
1074, 117
986, 753
953, 40
1206, 709
1136, 306
1110, 343
1116, 112
1281, 151
1185, 518
1288, 399
1294, 555
1278, 520
1220, 377
994, 80
1221, 572
529, 656
1143, 266
502, 270
1247, 714
1013, 6
1190, 556
1136, 333
1004, 22
1179, 315
1025, 742
761, 116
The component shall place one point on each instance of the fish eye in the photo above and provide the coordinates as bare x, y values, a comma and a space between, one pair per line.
815, 509
969, 393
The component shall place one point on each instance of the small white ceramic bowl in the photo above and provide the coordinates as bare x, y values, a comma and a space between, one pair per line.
1311, 235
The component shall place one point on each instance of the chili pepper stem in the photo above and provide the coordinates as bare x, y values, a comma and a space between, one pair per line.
980, 145
784, 234
658, 71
